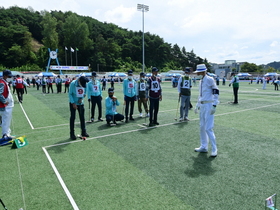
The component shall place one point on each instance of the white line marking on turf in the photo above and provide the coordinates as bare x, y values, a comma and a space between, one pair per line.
163, 125
26, 116
143, 126
20, 179
114, 134
72, 201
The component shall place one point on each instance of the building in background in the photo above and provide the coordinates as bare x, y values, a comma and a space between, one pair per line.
226, 68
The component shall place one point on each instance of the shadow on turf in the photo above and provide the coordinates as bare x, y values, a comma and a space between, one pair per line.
60, 148
201, 166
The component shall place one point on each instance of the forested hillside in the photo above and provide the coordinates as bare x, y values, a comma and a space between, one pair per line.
26, 35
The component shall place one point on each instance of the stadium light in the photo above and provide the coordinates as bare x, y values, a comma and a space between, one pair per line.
143, 8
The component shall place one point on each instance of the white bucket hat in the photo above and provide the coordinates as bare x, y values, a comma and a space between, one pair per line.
200, 68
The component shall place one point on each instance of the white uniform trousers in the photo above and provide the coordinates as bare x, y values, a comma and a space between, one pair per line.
206, 127
6, 120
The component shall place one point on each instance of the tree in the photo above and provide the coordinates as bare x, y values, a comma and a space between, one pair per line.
76, 33
49, 33
249, 67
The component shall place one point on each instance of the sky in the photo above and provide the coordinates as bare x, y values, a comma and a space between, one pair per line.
219, 30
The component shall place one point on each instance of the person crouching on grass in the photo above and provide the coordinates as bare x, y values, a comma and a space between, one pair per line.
207, 101
77, 92
111, 103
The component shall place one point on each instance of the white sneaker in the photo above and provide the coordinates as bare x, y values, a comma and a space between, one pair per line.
214, 153
181, 119
200, 149
186, 118
141, 115
148, 115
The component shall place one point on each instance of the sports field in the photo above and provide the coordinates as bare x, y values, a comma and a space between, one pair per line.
130, 166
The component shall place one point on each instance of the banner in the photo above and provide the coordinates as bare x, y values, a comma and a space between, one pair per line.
76, 68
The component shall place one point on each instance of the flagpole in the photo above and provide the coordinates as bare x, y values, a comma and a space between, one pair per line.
76, 58
71, 54
65, 49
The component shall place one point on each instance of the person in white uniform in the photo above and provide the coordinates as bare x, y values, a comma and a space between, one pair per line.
207, 101
6, 103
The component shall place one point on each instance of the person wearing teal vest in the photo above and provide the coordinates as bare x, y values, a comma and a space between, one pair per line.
94, 94
129, 91
44, 84
77, 92
235, 84
58, 82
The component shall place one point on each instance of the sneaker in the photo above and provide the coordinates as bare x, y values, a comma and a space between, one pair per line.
92, 119
126, 120
100, 119
131, 118
113, 124
85, 135
148, 115
186, 118
199, 149
141, 115
156, 123
214, 153
181, 119
151, 124
73, 137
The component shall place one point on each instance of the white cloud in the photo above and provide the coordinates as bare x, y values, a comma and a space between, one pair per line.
274, 44
216, 29
120, 14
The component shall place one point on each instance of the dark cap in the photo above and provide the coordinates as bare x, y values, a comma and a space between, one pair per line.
7, 72
94, 74
154, 69
83, 80
142, 74
110, 90
187, 69
130, 72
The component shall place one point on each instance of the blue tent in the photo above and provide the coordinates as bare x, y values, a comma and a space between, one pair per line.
88, 74
117, 74
271, 74
46, 74
244, 75
173, 75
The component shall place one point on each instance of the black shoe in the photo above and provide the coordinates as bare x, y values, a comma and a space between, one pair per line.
100, 119
85, 135
131, 118
73, 137
151, 124
156, 123
126, 120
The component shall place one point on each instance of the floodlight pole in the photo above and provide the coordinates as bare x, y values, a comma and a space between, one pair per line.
143, 8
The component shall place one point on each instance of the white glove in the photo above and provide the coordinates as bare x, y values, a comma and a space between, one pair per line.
197, 107
213, 110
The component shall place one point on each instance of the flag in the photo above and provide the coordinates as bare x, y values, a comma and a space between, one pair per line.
72, 50
77, 49
20, 142
66, 48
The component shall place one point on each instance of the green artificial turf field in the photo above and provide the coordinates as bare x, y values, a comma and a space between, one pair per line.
130, 166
